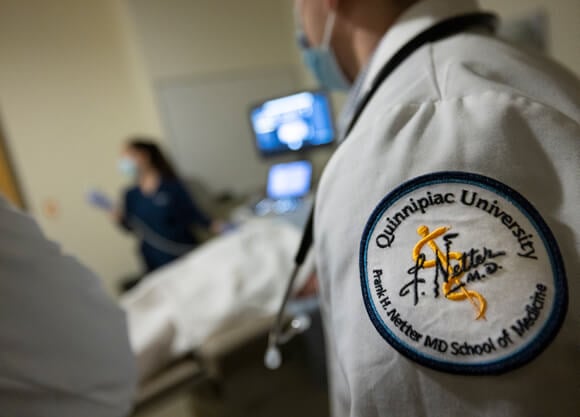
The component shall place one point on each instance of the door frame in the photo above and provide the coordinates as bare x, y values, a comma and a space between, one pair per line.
14, 194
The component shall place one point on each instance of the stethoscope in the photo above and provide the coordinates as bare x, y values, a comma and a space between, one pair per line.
446, 28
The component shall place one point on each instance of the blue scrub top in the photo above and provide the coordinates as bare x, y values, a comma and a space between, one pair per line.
170, 212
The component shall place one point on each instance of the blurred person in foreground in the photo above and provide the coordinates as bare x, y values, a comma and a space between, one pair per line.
64, 346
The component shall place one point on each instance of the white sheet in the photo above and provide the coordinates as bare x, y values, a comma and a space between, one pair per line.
242, 273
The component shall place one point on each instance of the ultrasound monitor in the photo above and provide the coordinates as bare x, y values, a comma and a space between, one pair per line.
293, 123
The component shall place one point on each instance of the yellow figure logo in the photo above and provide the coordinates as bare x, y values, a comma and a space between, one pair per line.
453, 288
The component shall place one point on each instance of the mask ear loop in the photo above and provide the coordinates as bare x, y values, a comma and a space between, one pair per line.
301, 33
328, 29
298, 25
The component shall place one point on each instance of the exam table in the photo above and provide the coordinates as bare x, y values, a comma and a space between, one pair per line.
224, 375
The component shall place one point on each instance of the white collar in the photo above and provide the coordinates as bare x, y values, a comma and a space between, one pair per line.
417, 19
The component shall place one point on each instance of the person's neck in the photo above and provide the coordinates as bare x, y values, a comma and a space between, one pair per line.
149, 182
367, 30
365, 44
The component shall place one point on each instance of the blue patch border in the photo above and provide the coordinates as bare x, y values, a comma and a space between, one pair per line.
560, 306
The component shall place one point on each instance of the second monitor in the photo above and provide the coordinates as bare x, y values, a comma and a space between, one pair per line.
289, 181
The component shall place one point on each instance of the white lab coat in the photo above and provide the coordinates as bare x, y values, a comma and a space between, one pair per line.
64, 346
473, 104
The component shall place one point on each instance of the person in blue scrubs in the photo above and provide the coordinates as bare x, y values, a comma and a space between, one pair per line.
157, 208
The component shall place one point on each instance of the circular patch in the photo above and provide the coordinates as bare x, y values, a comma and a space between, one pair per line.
461, 274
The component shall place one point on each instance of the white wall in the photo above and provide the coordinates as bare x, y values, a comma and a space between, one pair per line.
184, 39
71, 89
564, 17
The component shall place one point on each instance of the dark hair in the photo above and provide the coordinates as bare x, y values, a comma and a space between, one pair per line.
156, 157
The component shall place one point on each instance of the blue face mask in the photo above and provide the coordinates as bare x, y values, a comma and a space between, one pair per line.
321, 60
128, 167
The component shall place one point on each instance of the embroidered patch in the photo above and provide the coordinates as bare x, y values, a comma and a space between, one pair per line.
461, 274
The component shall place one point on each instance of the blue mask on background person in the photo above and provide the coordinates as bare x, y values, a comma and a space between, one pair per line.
128, 167
321, 60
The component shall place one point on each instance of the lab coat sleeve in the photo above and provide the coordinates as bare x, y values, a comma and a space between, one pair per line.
64, 344
529, 146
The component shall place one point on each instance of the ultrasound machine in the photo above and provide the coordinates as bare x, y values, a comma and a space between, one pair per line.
292, 124
288, 185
